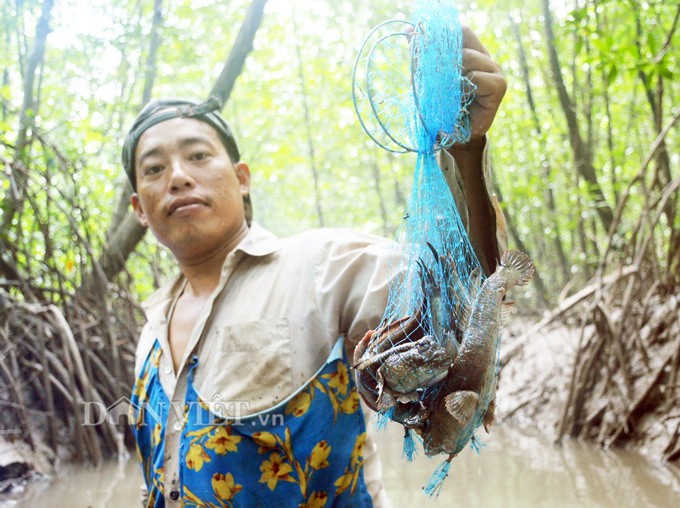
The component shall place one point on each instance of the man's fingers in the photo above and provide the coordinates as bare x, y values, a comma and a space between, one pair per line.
483, 118
489, 85
470, 40
479, 68
473, 60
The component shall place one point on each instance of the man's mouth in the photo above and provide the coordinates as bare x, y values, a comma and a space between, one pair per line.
185, 203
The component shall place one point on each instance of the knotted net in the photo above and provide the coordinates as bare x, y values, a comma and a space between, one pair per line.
410, 96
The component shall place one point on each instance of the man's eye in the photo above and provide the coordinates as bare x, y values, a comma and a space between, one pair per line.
199, 156
152, 170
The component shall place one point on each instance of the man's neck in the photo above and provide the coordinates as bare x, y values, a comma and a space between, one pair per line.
203, 273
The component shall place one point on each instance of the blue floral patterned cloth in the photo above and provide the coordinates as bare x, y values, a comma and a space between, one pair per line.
305, 452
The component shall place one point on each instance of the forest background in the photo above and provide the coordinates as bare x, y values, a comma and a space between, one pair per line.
584, 151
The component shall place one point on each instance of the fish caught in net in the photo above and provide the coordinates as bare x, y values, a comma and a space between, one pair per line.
432, 364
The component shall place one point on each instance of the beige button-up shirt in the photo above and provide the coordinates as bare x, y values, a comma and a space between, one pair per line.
271, 322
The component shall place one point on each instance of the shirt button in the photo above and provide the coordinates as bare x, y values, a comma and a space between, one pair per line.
174, 495
177, 426
168, 369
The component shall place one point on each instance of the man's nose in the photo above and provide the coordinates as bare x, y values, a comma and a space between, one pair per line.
180, 175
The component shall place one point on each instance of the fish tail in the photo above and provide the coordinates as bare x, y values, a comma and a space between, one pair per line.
518, 260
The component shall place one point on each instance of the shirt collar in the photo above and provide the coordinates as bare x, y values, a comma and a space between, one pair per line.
258, 242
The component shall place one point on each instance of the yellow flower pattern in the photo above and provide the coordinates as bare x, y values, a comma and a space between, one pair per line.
351, 476
319, 455
213, 437
316, 500
159, 479
156, 436
264, 440
336, 385
284, 466
275, 469
224, 486
196, 456
358, 450
339, 379
351, 403
320, 471
222, 441
299, 404
281, 463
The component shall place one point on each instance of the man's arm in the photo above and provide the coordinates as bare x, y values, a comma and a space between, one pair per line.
467, 174
479, 68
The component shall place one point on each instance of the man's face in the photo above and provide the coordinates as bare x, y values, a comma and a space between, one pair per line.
189, 193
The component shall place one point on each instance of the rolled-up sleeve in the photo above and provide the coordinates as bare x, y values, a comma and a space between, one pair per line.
352, 274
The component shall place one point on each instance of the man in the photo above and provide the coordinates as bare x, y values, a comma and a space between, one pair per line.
243, 392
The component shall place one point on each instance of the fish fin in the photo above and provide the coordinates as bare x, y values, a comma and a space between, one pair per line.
476, 280
450, 346
434, 252
385, 399
463, 308
519, 261
426, 275
471, 292
506, 309
452, 286
489, 416
381, 388
461, 405
426, 283
362, 346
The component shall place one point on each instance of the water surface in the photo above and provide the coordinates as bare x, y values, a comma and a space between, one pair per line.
517, 468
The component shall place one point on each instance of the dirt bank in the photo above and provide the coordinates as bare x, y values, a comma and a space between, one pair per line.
577, 377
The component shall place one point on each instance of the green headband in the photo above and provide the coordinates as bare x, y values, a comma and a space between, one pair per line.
166, 109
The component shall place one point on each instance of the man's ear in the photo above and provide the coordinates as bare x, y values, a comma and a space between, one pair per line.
243, 175
139, 211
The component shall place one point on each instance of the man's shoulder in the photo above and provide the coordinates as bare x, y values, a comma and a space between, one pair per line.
334, 238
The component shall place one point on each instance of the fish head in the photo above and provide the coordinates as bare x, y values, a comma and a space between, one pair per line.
421, 365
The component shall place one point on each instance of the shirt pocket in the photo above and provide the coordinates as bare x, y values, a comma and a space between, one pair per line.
247, 367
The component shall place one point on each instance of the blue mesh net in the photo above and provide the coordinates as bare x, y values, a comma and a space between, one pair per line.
432, 365
410, 96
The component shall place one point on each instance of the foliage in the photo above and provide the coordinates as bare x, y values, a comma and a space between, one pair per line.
90, 88
620, 64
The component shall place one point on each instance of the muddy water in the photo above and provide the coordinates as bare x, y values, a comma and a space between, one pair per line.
516, 469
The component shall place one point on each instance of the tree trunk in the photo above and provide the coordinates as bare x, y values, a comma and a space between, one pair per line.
5, 71
546, 170
150, 68
149, 78
582, 158
662, 175
15, 193
308, 129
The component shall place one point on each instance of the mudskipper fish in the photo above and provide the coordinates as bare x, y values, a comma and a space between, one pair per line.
466, 397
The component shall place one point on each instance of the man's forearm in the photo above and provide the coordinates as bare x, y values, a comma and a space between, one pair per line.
470, 162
